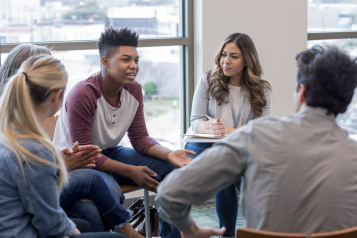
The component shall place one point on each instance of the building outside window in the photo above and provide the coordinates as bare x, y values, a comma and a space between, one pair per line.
71, 27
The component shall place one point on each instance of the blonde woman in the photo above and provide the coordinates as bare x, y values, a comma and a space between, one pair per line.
226, 98
32, 172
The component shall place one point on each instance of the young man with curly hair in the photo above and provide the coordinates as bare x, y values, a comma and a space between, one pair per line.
299, 172
102, 108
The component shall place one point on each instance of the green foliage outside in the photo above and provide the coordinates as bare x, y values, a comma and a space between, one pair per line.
154, 109
149, 88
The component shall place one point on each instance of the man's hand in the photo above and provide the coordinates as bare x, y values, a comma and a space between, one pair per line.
141, 176
80, 157
77, 232
179, 157
217, 127
201, 232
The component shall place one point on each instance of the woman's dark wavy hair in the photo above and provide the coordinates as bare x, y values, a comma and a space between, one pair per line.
329, 76
111, 39
251, 78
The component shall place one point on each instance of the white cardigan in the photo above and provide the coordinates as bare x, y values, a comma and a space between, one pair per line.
203, 103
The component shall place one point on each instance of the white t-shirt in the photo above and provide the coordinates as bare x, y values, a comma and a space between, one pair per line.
226, 116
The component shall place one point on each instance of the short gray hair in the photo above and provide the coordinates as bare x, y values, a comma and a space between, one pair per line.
15, 58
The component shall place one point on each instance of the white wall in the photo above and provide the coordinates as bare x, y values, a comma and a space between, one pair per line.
277, 27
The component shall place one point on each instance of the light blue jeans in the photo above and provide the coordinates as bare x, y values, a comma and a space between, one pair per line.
226, 199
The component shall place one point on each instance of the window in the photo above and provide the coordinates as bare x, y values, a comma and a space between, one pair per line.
334, 22
332, 15
71, 28
48, 20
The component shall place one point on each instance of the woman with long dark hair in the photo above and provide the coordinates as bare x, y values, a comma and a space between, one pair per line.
228, 97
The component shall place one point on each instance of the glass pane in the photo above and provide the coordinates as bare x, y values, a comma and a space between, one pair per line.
332, 15
3, 57
347, 120
348, 45
159, 76
68, 20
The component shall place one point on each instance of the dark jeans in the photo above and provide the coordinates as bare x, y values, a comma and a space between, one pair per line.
160, 167
87, 210
88, 183
86, 231
226, 199
100, 235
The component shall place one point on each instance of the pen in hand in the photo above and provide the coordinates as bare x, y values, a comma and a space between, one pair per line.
207, 126
210, 118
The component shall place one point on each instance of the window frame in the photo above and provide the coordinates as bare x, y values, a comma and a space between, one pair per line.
186, 54
331, 35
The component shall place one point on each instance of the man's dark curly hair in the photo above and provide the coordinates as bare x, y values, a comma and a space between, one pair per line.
111, 39
329, 77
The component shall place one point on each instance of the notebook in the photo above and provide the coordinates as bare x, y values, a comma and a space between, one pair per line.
205, 135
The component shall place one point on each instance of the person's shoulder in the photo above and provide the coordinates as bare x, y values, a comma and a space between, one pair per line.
89, 88
261, 130
31, 145
204, 80
135, 90
267, 122
205, 76
267, 89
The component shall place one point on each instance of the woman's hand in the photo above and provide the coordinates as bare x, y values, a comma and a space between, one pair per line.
141, 176
80, 157
77, 232
207, 125
217, 127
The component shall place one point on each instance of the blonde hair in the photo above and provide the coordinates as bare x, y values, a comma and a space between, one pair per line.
251, 78
36, 79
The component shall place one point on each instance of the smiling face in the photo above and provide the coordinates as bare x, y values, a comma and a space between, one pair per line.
232, 61
123, 66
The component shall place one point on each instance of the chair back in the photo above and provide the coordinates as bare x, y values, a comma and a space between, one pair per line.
347, 233
250, 233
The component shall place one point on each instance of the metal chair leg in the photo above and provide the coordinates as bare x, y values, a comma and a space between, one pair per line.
147, 213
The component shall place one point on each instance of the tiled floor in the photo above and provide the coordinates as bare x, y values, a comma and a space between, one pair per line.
206, 215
